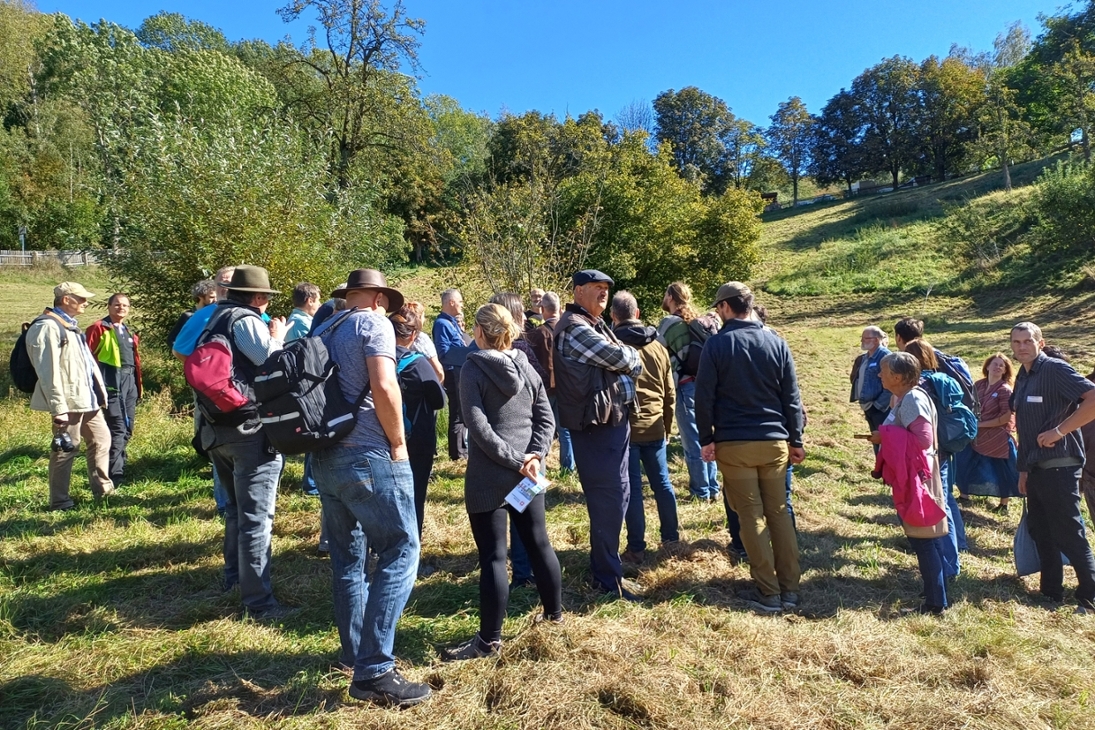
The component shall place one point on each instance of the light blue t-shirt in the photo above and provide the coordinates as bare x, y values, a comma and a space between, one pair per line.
364, 334
187, 339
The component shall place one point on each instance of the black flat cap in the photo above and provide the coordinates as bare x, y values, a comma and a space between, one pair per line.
589, 276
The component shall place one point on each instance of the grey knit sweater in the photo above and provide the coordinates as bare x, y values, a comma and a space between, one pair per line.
507, 414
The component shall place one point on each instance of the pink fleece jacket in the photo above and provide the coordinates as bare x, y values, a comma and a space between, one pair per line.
907, 467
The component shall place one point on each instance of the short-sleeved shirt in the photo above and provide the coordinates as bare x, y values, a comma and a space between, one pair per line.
915, 404
1045, 395
365, 334
187, 339
424, 346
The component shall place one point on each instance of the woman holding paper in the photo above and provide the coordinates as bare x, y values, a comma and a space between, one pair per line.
510, 428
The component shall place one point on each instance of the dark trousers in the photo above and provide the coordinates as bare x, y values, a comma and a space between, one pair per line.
1053, 501
421, 465
120, 408
458, 433
875, 419
930, 553
601, 455
490, 533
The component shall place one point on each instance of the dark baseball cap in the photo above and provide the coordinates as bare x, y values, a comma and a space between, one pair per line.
731, 289
590, 276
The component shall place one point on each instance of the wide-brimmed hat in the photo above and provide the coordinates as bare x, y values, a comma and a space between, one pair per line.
72, 289
374, 280
253, 279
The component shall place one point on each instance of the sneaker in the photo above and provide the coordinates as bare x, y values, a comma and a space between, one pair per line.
635, 557
63, 507
1000, 509
390, 689
542, 618
789, 600
272, 615
631, 591
760, 602
473, 648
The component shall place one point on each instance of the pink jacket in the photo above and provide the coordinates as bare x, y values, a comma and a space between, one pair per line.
908, 470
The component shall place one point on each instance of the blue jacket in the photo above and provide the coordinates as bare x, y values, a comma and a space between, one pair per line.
449, 341
872, 391
746, 388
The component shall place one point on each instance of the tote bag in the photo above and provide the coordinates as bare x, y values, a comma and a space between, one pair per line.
1027, 561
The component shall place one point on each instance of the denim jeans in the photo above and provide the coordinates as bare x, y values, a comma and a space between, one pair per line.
651, 457
930, 554
566, 446
601, 453
248, 471
703, 476
952, 565
308, 484
368, 504
220, 496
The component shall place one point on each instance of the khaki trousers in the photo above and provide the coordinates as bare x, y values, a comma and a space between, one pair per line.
91, 427
754, 479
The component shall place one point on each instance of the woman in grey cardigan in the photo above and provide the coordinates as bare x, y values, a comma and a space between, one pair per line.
510, 428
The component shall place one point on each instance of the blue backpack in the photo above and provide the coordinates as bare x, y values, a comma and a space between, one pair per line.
403, 364
955, 367
957, 423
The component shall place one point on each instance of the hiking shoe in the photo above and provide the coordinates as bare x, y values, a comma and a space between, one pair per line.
473, 648
789, 600
390, 689
760, 602
635, 557
543, 618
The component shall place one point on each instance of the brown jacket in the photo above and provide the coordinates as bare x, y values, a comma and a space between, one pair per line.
541, 339
655, 392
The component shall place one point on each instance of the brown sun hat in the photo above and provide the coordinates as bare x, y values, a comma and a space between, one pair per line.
252, 279
371, 279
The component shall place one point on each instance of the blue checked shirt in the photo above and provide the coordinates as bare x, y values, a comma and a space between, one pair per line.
590, 346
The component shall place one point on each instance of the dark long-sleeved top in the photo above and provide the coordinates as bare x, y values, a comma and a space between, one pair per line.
507, 413
746, 388
1045, 395
449, 341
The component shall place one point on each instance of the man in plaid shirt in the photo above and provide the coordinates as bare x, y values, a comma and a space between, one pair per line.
594, 385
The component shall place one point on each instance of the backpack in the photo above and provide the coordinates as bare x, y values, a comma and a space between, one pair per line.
23, 375
955, 367
957, 425
300, 399
700, 330
222, 396
404, 362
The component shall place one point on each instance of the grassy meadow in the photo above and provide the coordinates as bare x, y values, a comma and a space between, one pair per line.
111, 614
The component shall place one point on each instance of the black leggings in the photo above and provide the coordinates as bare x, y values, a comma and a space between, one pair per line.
490, 531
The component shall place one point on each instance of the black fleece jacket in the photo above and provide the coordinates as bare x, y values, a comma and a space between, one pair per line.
746, 389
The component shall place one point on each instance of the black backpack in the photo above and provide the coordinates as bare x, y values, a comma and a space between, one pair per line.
23, 375
301, 404
700, 330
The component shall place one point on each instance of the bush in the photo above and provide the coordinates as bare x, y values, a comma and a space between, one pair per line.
1064, 208
981, 231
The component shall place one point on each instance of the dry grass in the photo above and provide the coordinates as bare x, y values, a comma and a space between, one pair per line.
110, 615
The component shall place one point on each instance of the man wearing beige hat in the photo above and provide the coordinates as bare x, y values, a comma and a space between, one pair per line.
71, 388
246, 464
367, 489
749, 415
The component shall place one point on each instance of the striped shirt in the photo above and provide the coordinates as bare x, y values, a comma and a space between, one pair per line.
1045, 395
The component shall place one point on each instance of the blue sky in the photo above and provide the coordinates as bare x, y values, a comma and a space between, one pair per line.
569, 56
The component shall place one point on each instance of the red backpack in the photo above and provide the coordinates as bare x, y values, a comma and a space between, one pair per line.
222, 396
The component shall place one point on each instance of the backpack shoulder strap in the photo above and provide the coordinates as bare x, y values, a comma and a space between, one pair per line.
407, 360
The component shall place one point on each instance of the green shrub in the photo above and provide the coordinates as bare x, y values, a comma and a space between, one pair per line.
1064, 208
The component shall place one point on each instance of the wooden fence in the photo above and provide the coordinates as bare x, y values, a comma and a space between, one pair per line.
42, 258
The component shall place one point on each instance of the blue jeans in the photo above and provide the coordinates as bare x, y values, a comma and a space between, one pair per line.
651, 457
931, 555
956, 530
249, 474
220, 496
368, 504
947, 472
308, 484
566, 446
703, 476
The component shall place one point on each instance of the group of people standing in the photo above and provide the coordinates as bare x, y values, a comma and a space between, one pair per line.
1027, 444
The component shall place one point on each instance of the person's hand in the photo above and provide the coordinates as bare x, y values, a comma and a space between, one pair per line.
876, 438
277, 328
60, 420
1046, 439
796, 454
707, 453
1023, 483
399, 453
531, 467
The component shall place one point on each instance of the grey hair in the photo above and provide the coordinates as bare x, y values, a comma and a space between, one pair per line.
549, 302
225, 272
903, 366
624, 306
203, 288
447, 295
875, 331
1034, 330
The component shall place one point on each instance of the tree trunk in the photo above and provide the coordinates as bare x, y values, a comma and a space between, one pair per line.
895, 174
1007, 173
1086, 144
794, 188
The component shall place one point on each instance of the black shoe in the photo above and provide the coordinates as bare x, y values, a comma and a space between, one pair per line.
272, 615
473, 648
390, 689
760, 602
923, 610
522, 583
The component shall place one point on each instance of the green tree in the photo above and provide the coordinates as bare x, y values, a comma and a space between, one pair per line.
838, 152
887, 100
789, 139
951, 96
175, 32
696, 126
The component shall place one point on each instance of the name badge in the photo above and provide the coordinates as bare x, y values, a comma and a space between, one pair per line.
995, 394
1034, 399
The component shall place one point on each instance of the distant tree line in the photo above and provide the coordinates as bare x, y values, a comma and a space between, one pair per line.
177, 150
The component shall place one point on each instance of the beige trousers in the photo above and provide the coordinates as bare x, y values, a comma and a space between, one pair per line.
754, 476
91, 427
